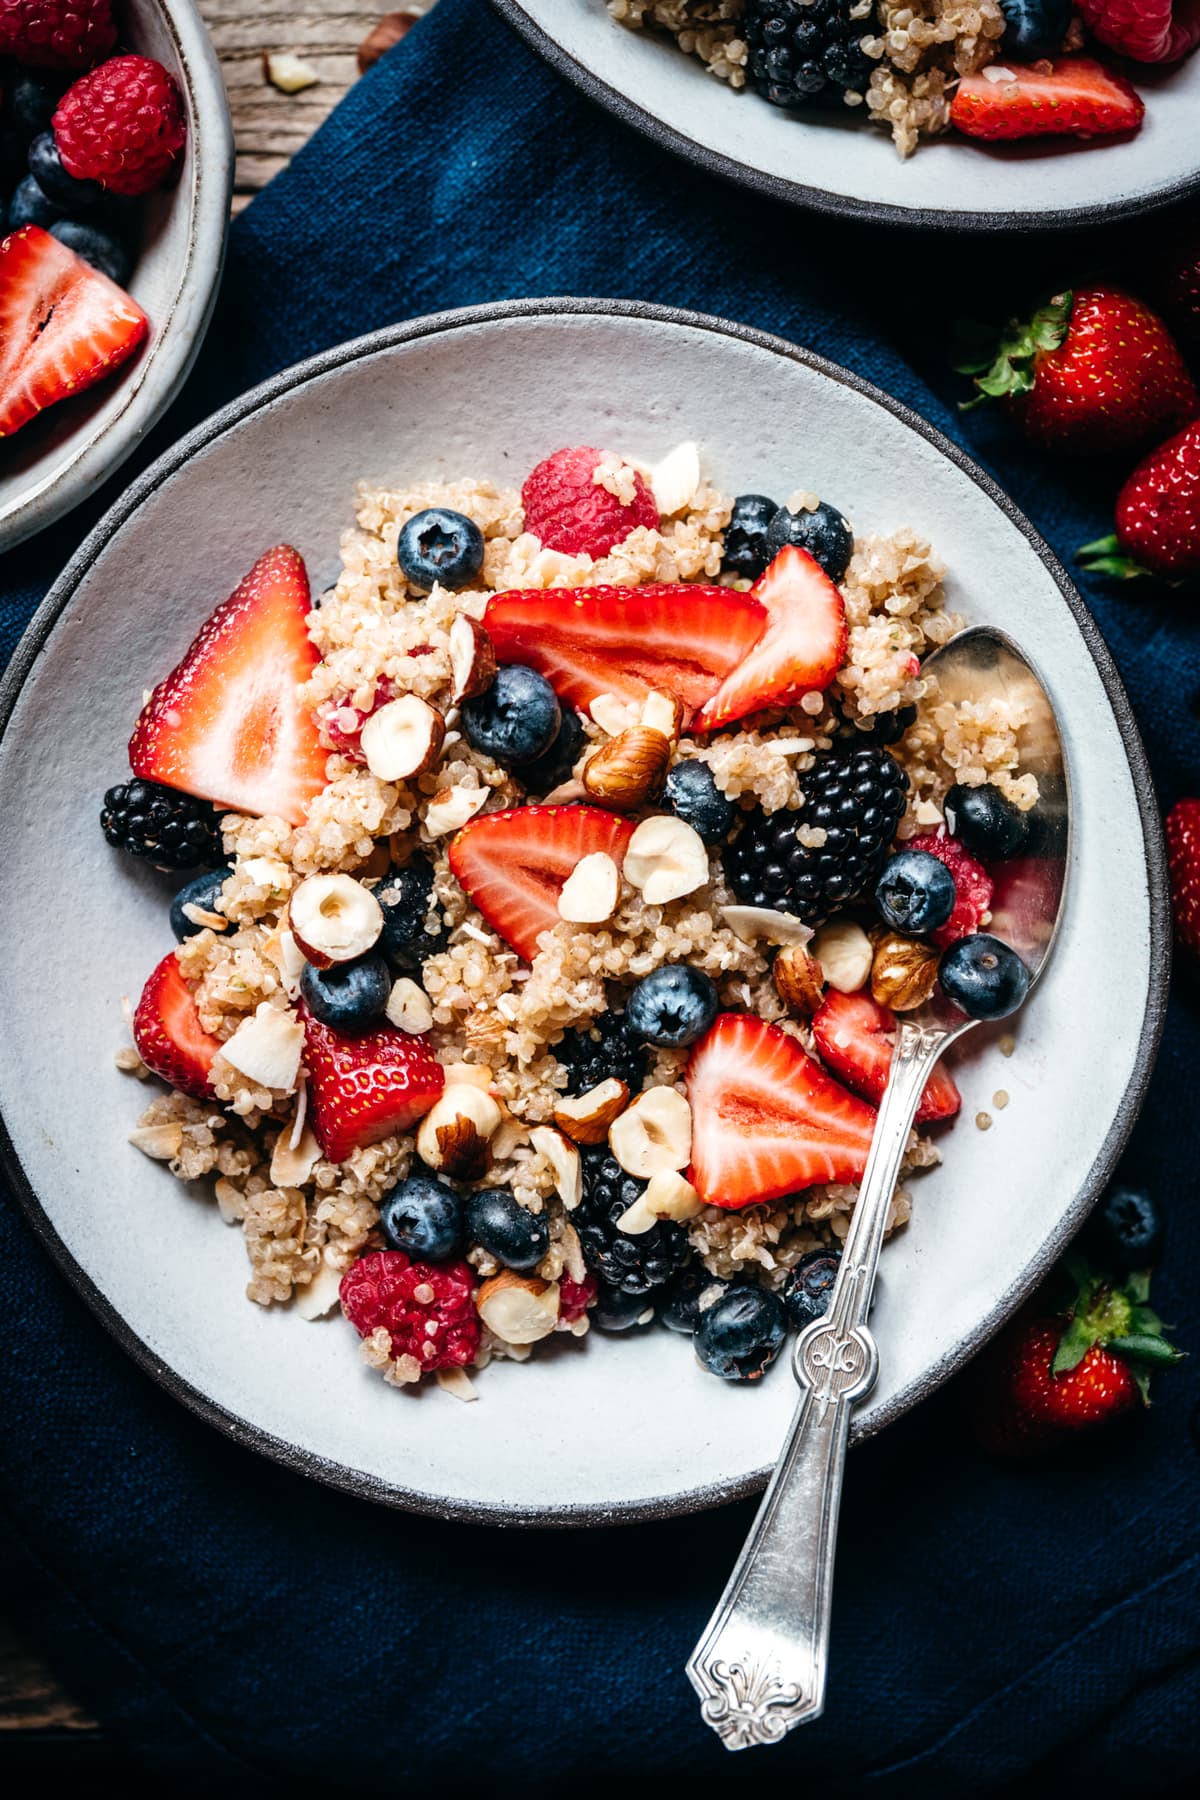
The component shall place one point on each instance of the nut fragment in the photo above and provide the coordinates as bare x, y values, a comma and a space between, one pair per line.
450, 808
454, 1136
754, 924
587, 1117
667, 1195
653, 1134
799, 980
674, 480
904, 973
590, 892
321, 1295
408, 1007
663, 712
267, 1047
403, 738
390, 29
520, 1309
564, 1160
614, 715
161, 1142
334, 919
291, 1165
844, 952
630, 770
287, 72
665, 859
472, 658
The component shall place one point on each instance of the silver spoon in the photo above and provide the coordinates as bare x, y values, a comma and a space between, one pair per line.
760, 1666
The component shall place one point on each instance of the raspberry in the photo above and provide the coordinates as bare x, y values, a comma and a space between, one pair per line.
972, 880
57, 34
122, 125
571, 512
574, 1297
428, 1313
343, 726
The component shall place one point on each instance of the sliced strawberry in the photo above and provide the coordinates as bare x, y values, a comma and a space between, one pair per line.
801, 650
63, 325
766, 1118
228, 723
513, 864
854, 1034
169, 1036
677, 638
362, 1089
973, 885
1065, 95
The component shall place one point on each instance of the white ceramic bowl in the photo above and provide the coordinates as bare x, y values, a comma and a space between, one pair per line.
609, 1427
58, 460
838, 165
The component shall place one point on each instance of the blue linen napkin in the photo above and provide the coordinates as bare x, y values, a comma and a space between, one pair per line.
225, 1618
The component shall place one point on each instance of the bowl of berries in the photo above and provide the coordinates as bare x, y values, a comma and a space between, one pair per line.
116, 167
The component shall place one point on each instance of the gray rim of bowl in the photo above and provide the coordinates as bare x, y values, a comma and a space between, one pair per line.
821, 199
693, 1499
172, 353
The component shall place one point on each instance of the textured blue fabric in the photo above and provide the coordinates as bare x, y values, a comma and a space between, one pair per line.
225, 1618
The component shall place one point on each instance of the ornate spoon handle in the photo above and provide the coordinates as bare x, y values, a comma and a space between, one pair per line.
760, 1667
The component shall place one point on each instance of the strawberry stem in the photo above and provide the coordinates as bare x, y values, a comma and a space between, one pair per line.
1105, 557
1007, 366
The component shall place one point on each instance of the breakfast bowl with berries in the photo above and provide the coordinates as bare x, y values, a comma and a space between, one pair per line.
116, 168
509, 854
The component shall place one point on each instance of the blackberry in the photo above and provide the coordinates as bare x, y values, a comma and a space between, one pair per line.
634, 1264
407, 898
856, 795
802, 49
170, 829
883, 728
595, 1053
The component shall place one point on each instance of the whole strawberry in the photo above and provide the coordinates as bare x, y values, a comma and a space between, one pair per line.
57, 34
1157, 516
122, 125
1055, 1372
1092, 373
1179, 287
1151, 31
1183, 852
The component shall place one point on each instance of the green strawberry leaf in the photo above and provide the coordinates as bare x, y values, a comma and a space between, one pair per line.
1145, 1349
1074, 1344
1144, 1322
1105, 557
1008, 367
1137, 1286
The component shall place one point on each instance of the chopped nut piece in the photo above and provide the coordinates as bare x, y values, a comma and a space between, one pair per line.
844, 952
454, 1136
320, 1297
590, 893
403, 739
653, 1134
799, 980
612, 714
904, 973
674, 480
334, 919
267, 1048
665, 859
161, 1142
450, 808
291, 1165
390, 29
287, 73
629, 771
472, 658
755, 924
408, 1007
667, 1195
564, 1160
587, 1117
663, 712
520, 1309
456, 1382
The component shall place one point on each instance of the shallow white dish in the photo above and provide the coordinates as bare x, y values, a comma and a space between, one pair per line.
58, 460
610, 1427
839, 165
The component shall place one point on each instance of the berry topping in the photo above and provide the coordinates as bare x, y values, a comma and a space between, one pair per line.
555, 764
746, 552
57, 34
499, 1224
516, 720
440, 548
692, 795
514, 865
98, 245
1064, 96
741, 1333
672, 1006
428, 1313
30, 206
197, 898
800, 49
1034, 28
617, 1310
169, 1036
63, 325
983, 977
984, 822
1126, 1231
169, 829
350, 996
1183, 851
605, 1050
122, 125
915, 893
46, 167
823, 532
32, 97
1150, 31
406, 899
667, 638
766, 1118
972, 885
422, 1216
682, 1301
364, 1089
854, 1035
809, 1286
1157, 516
574, 1297
800, 651
228, 723
634, 1262
569, 510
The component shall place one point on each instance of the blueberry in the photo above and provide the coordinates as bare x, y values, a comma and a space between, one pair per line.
499, 1224
615, 1310
987, 824
746, 552
916, 892
97, 245
741, 1334
203, 891
693, 796
672, 1006
1034, 28
1126, 1231
884, 728
824, 533
553, 766
350, 996
807, 1290
45, 165
678, 1305
516, 720
440, 546
33, 98
983, 977
407, 900
422, 1216
29, 206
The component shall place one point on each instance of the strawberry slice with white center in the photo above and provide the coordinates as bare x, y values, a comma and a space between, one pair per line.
228, 724
63, 325
514, 864
362, 1089
801, 650
855, 1036
679, 638
766, 1118
169, 1036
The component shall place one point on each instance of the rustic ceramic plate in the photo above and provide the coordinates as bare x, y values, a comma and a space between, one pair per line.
839, 165
610, 1427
